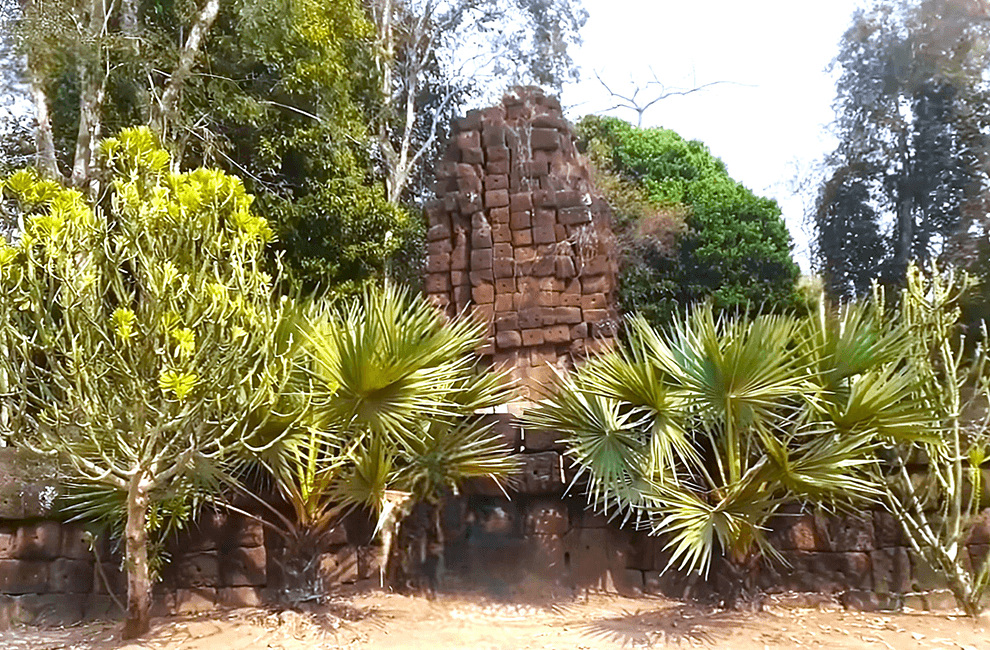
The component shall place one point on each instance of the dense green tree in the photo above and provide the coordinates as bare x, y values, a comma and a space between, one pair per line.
910, 117
691, 232
141, 342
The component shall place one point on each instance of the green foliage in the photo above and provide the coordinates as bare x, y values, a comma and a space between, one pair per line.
908, 174
939, 507
142, 341
701, 432
395, 391
690, 233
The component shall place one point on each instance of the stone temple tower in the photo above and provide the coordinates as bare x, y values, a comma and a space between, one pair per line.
519, 236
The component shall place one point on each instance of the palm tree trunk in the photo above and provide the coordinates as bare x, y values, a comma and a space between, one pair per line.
138, 619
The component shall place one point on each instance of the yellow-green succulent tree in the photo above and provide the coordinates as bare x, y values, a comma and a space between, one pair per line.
141, 342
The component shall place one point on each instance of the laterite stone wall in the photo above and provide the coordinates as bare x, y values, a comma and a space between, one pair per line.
519, 237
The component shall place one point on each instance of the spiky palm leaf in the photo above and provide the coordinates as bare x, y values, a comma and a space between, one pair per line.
706, 429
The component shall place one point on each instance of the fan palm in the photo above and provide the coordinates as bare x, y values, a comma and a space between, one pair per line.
702, 432
392, 417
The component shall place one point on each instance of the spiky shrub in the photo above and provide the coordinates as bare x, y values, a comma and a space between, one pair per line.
702, 432
937, 505
141, 339
394, 419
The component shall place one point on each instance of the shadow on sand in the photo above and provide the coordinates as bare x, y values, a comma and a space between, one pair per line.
674, 623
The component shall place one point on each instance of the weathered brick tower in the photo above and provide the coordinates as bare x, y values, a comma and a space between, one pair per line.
519, 235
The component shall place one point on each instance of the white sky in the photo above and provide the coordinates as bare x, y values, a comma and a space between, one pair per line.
769, 126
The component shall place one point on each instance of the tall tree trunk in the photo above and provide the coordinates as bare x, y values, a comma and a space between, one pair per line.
92, 77
905, 212
43, 138
165, 112
138, 619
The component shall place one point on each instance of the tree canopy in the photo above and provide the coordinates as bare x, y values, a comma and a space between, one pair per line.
142, 341
910, 117
690, 231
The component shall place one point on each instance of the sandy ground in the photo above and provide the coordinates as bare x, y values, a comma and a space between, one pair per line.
385, 622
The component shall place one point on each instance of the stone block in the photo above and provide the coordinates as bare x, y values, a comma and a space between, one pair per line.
544, 199
24, 576
369, 560
195, 601
469, 184
504, 267
980, 531
469, 202
496, 154
473, 156
8, 544
570, 300
507, 322
109, 574
499, 215
481, 238
40, 540
594, 284
530, 318
522, 237
548, 555
497, 199
594, 301
437, 283
503, 301
506, 285
239, 597
569, 315
521, 202
891, 570
532, 337
470, 122
438, 232
595, 315
503, 250
542, 473
574, 216
540, 440
803, 532
481, 259
459, 258
923, 576
557, 334
196, 570
51, 610
508, 340
468, 139
339, 567
544, 235
546, 517
545, 218
439, 247
71, 576
493, 135
439, 263
520, 220
851, 533
497, 167
244, 567
501, 233
548, 299
497, 182
887, 531
483, 294
598, 558
545, 139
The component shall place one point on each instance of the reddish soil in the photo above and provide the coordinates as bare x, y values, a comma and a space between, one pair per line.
386, 622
